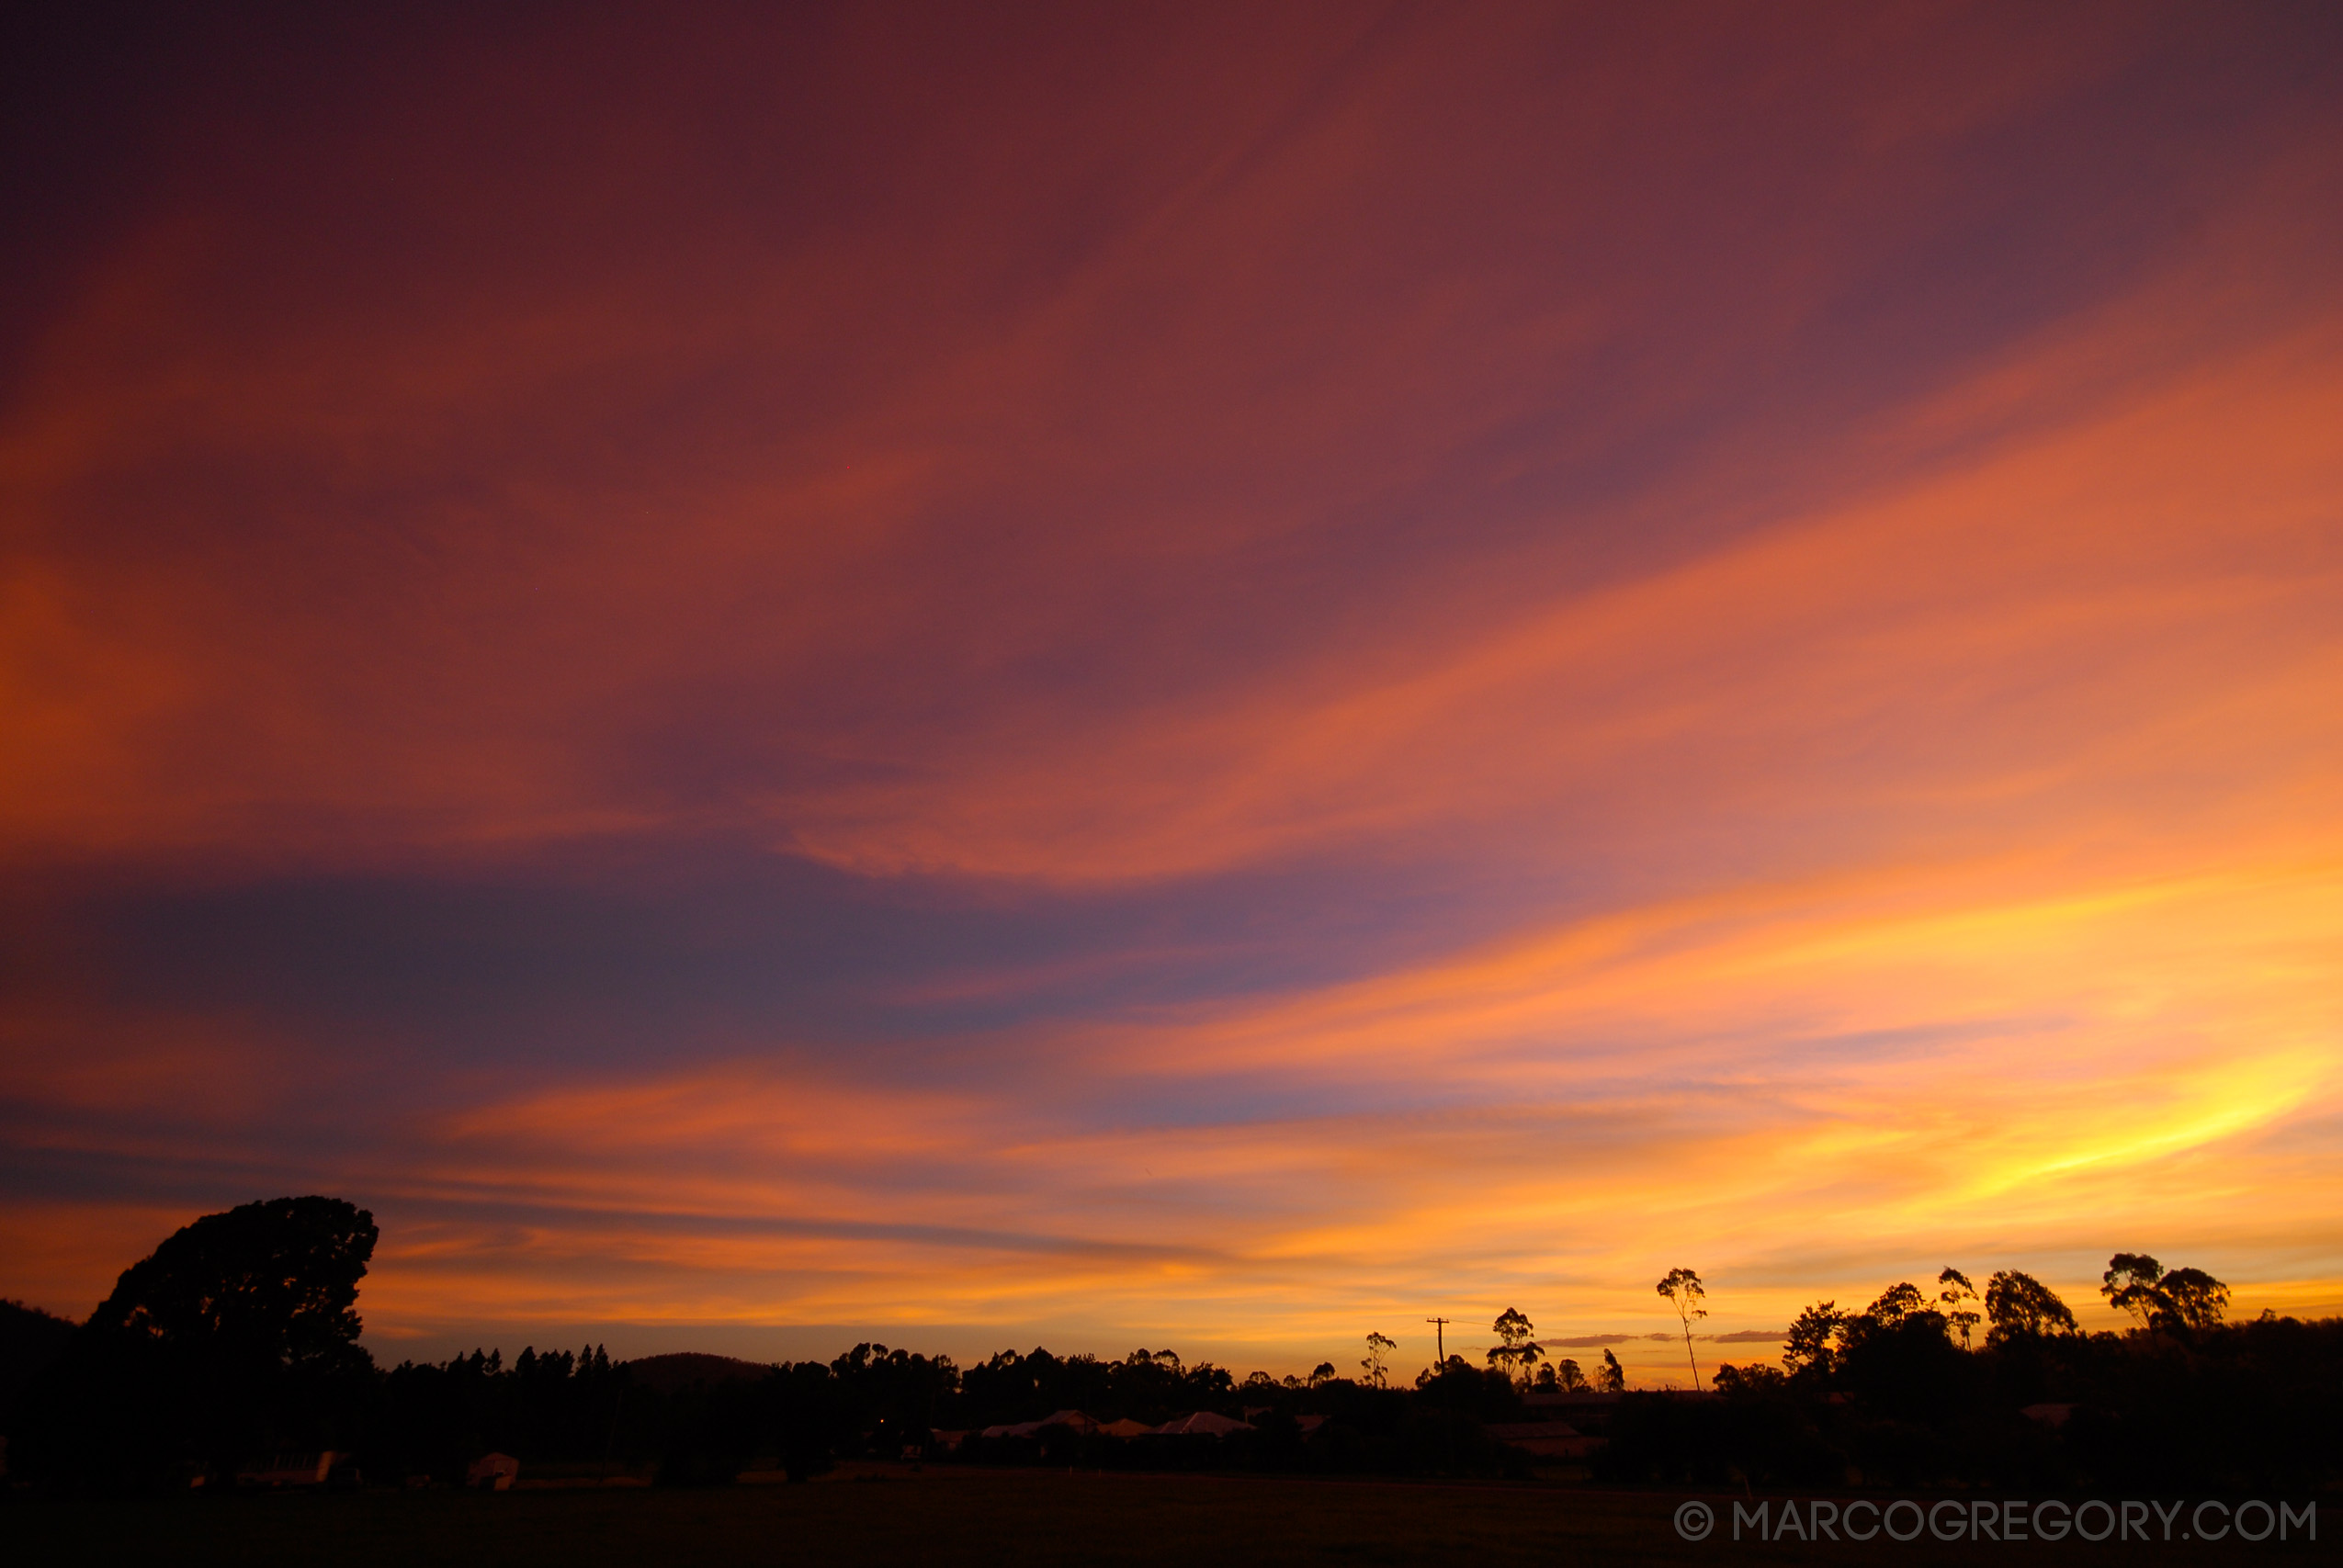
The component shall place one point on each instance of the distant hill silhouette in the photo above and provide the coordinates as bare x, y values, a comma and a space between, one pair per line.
684, 1368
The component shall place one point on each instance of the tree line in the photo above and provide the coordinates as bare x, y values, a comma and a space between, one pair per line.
238, 1339
1906, 1393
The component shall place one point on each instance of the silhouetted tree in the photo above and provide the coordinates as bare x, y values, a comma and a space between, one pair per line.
2131, 1282
2019, 1304
1685, 1293
1486, 1393
1615, 1376
2195, 1298
275, 1281
29, 1340
809, 1418
1896, 1304
1515, 1352
2179, 1298
1810, 1348
1756, 1378
1375, 1364
1954, 1299
237, 1336
1898, 1360
894, 1398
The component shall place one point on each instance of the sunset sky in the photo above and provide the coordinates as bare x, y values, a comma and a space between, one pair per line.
1191, 676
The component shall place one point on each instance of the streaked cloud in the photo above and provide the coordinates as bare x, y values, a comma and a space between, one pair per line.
1179, 681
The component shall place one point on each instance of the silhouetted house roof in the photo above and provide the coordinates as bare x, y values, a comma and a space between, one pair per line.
291, 1470
1126, 1427
494, 1471
1308, 1424
1550, 1440
1070, 1418
1204, 1422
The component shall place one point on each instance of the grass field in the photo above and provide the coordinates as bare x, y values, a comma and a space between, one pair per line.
951, 1517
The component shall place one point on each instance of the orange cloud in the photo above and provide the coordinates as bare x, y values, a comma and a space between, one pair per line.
1522, 650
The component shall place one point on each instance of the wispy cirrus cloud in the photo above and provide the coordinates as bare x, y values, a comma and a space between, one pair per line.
1213, 683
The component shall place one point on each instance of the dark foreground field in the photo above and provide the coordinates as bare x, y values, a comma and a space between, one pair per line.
962, 1517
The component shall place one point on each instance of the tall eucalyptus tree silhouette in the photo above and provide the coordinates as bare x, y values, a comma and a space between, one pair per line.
1686, 1294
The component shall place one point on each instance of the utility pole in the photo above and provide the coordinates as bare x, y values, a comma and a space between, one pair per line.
1440, 1338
